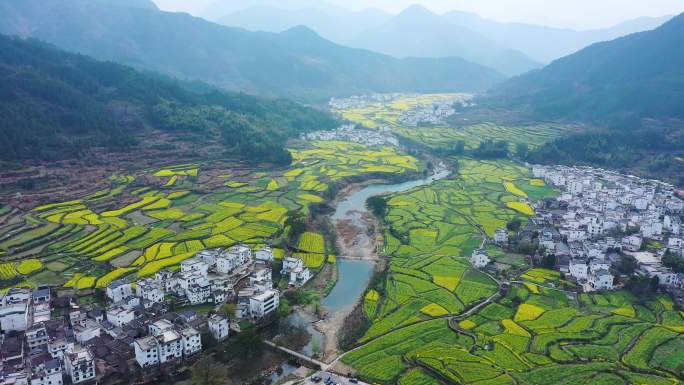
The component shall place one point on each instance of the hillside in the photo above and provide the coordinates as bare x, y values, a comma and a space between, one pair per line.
640, 76
296, 63
633, 86
57, 105
418, 32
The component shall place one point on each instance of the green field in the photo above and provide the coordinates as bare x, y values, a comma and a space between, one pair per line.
155, 219
533, 334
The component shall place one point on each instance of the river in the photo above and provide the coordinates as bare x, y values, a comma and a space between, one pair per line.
356, 236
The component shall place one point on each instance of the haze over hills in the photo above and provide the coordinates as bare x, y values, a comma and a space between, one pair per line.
418, 32
297, 63
633, 85
545, 44
333, 23
510, 48
57, 105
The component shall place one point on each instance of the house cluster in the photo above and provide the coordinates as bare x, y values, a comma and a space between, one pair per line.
362, 101
602, 215
136, 330
349, 133
428, 114
84, 346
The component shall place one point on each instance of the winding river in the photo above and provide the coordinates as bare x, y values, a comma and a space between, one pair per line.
356, 235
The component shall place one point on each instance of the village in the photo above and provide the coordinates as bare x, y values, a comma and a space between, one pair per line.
354, 134
47, 338
604, 229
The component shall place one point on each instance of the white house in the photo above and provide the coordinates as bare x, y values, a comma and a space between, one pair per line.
295, 269
118, 290
209, 256
598, 264
46, 371
262, 279
120, 315
87, 330
263, 304
150, 291
652, 229
37, 338
160, 326
198, 294
501, 236
194, 265
170, 346
632, 243
165, 277
666, 277
579, 269
244, 252
601, 280
190, 341
479, 259
219, 327
146, 351
80, 365
265, 254
14, 310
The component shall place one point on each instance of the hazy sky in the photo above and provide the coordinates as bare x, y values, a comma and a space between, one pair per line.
578, 14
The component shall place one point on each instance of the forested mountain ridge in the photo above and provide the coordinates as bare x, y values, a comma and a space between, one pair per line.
630, 89
58, 105
294, 64
640, 76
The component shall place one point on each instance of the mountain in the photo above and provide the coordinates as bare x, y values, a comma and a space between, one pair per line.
633, 86
418, 32
297, 63
58, 105
333, 23
631, 78
545, 44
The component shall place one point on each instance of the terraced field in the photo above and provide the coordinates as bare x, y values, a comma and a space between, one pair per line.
430, 323
534, 336
155, 219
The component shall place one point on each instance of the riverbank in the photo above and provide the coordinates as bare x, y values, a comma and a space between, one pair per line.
358, 235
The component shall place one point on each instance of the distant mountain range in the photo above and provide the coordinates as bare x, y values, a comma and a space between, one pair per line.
297, 63
58, 105
511, 48
631, 90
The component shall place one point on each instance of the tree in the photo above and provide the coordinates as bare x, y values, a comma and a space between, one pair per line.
315, 346
549, 261
246, 346
206, 371
654, 284
521, 150
514, 225
377, 205
296, 222
627, 265
228, 310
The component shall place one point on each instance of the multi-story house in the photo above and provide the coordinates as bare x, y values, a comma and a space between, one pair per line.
46, 370
79, 365
118, 290
263, 304
190, 341
294, 269
14, 310
219, 327
150, 291
37, 339
120, 315
479, 259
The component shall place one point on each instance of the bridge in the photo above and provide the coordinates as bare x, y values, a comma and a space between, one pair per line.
308, 361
